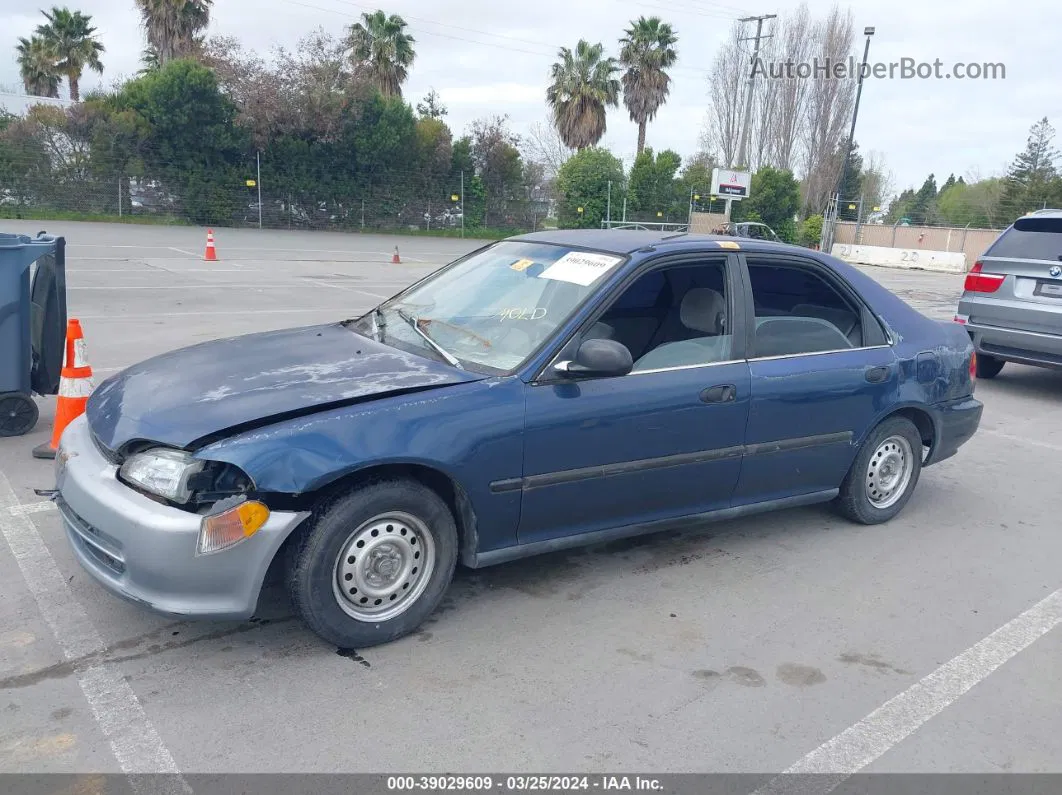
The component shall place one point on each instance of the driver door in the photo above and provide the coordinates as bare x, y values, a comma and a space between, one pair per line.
665, 440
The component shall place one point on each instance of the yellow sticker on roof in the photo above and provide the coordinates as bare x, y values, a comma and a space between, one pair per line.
727, 244
522, 264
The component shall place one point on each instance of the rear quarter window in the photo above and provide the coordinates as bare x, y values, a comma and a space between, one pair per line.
1030, 238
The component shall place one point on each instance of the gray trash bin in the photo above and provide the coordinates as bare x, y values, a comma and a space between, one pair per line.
32, 325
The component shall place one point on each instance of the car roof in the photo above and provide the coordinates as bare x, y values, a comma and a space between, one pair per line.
627, 241
894, 310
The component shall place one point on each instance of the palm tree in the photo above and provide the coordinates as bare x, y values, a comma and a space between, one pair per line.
584, 85
72, 42
173, 26
37, 68
646, 51
382, 51
149, 61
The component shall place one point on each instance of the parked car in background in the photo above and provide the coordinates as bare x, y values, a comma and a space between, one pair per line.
551, 390
752, 230
1012, 299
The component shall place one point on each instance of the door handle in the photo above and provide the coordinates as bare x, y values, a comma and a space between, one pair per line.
721, 393
875, 375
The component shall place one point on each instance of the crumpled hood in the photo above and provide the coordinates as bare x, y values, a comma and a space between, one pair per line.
196, 392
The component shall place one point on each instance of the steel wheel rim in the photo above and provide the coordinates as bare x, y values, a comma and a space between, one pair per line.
15, 412
383, 567
889, 472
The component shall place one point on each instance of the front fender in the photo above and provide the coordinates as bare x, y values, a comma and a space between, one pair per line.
471, 432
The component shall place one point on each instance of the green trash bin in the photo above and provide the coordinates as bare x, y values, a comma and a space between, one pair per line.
32, 325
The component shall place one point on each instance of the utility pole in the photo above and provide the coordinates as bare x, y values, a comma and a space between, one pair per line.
608, 212
868, 32
743, 148
464, 204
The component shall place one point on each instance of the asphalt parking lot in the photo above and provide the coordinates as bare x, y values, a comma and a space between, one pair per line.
750, 646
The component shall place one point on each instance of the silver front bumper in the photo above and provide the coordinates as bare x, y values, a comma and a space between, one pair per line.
146, 552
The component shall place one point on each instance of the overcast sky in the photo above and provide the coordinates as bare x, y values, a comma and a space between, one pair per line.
492, 56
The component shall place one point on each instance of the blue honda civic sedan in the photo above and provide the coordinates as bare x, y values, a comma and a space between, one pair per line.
550, 390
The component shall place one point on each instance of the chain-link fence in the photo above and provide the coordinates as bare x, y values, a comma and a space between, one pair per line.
396, 201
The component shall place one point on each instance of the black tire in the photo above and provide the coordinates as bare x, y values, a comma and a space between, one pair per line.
18, 414
312, 575
988, 366
854, 501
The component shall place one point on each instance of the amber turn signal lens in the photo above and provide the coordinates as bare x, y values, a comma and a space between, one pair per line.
223, 530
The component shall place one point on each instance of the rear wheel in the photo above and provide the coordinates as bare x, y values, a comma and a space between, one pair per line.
374, 563
988, 366
18, 414
884, 474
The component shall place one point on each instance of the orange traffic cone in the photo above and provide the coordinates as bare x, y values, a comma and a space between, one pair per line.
75, 386
211, 254
395, 259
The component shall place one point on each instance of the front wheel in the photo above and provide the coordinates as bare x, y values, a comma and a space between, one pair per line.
374, 563
884, 474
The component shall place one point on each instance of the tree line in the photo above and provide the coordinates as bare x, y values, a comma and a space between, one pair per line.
1032, 182
325, 133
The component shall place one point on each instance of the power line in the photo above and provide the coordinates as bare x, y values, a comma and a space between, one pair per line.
721, 6
552, 47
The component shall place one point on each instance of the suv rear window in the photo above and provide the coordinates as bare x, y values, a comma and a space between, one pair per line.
1030, 238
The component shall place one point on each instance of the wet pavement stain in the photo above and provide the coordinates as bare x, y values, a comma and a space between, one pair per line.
707, 675
800, 675
645, 658
871, 661
108, 655
746, 677
353, 655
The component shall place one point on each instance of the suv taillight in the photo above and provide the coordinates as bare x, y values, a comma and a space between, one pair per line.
977, 281
973, 366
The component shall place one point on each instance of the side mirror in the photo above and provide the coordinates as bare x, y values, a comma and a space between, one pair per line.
598, 359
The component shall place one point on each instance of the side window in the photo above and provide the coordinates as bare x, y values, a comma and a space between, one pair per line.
798, 311
644, 294
672, 317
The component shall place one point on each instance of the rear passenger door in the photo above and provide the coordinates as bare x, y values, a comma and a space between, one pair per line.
821, 371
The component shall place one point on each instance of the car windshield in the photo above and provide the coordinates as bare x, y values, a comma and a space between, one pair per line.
493, 309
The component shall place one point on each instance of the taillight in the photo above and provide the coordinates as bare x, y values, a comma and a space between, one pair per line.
973, 366
961, 319
979, 282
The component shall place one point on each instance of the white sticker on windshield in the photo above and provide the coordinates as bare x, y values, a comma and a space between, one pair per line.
580, 267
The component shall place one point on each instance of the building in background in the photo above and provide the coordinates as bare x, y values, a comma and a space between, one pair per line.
16, 104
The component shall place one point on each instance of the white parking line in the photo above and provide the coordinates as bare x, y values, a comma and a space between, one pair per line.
349, 289
133, 739
857, 746
182, 251
170, 270
32, 507
227, 312
1024, 440
210, 286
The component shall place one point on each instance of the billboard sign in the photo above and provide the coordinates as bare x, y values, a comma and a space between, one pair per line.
731, 184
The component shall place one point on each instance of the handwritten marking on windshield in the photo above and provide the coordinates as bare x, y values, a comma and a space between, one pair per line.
523, 313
